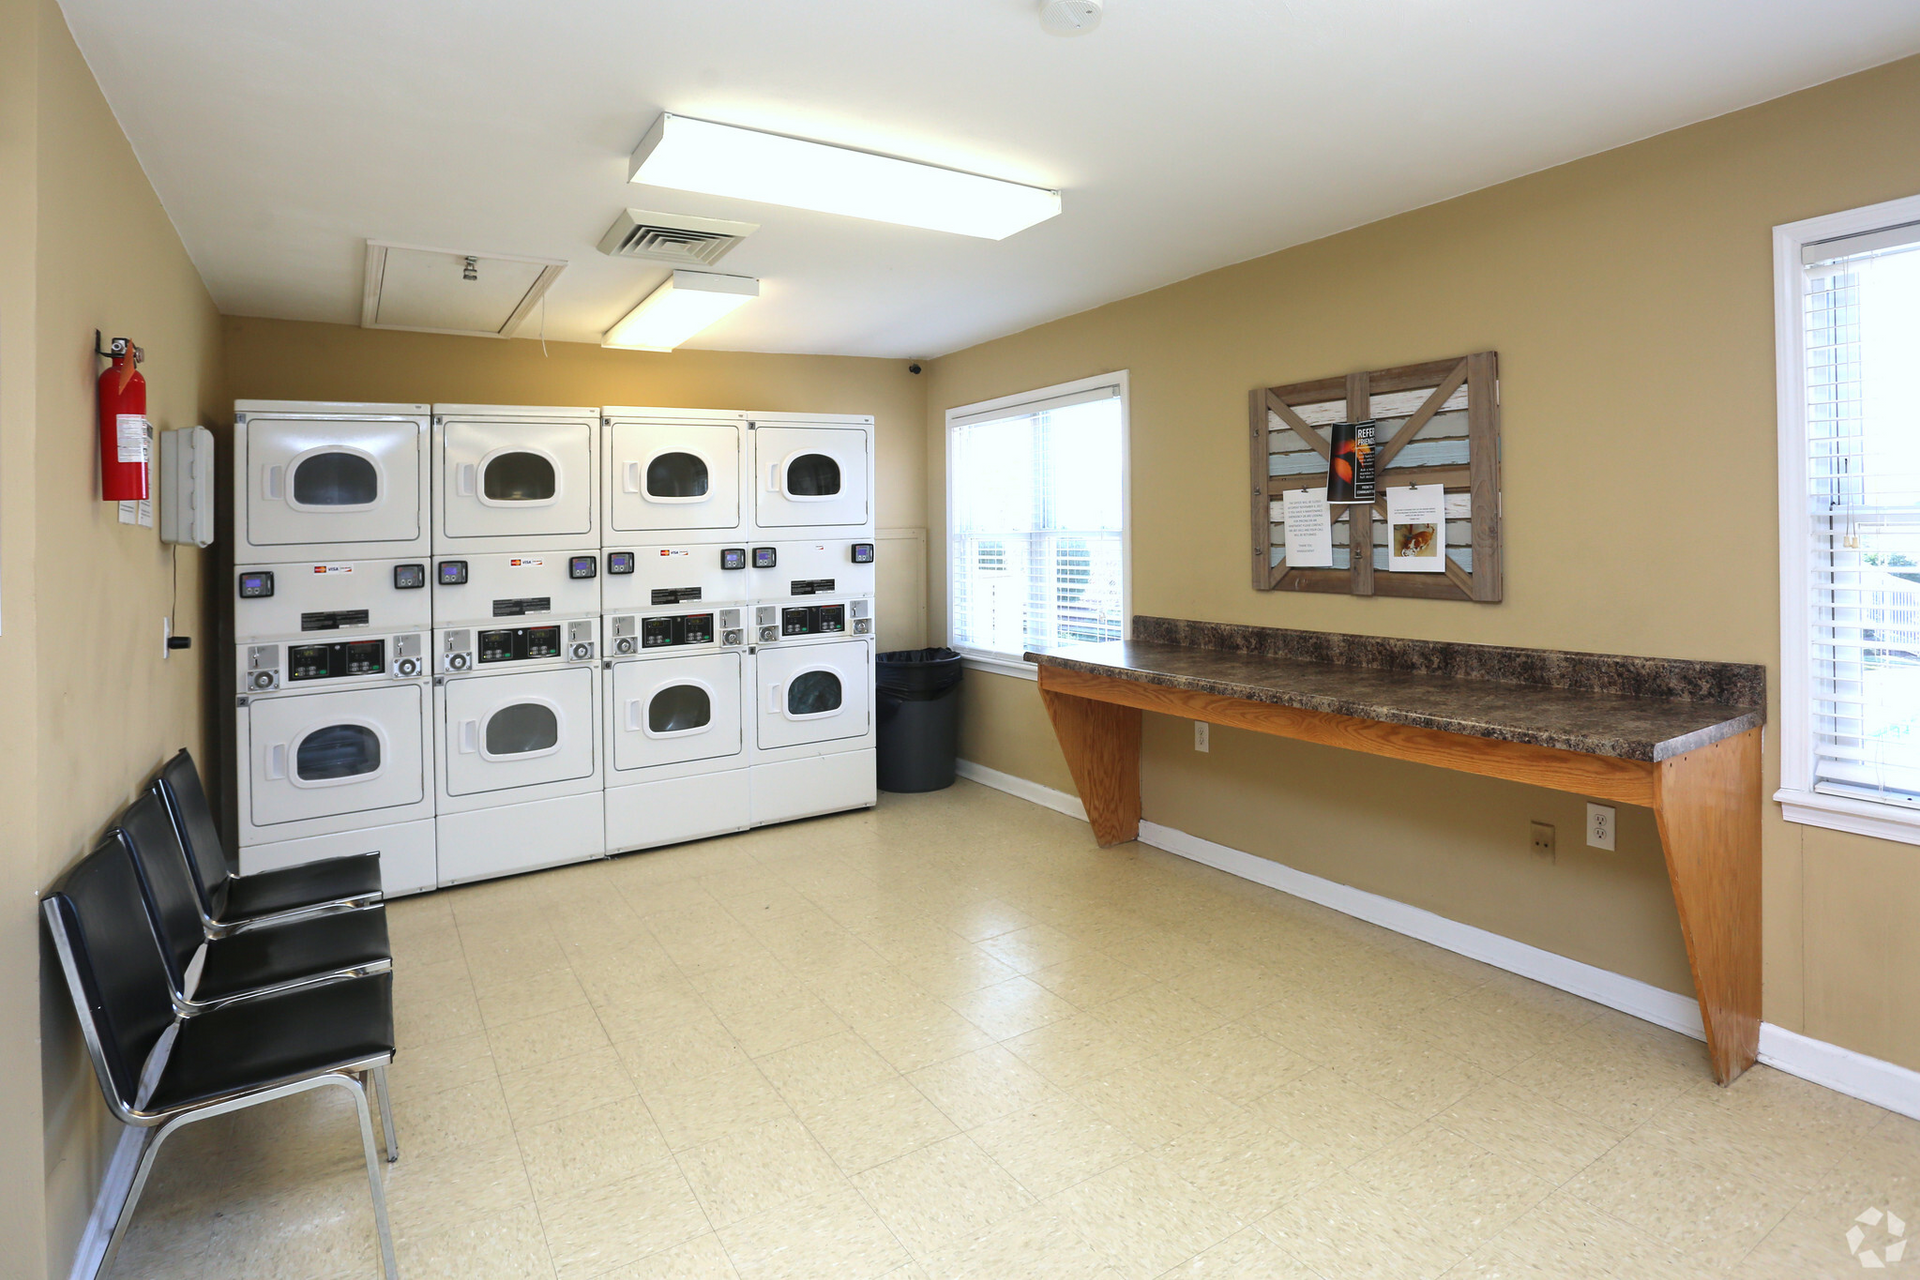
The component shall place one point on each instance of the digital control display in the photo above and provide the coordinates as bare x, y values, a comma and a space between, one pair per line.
813, 620
686, 628
863, 553
453, 573
341, 658
409, 577
733, 557
256, 586
619, 562
517, 644
765, 557
583, 566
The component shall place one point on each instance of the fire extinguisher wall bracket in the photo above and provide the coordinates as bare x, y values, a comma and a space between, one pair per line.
125, 439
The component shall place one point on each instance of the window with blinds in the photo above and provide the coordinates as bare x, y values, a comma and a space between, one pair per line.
1036, 553
1860, 347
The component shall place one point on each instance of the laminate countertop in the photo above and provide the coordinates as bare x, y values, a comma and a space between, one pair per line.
1600, 704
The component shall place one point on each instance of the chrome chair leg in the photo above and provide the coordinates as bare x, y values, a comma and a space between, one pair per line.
390, 1268
379, 1075
149, 1148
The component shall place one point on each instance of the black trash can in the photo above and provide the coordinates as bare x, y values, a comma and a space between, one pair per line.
919, 718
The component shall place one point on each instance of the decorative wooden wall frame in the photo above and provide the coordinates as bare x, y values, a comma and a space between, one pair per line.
1439, 423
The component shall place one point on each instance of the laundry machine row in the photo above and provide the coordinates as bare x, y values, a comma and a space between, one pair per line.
614, 628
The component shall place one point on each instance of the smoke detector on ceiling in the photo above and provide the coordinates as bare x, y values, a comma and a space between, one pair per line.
1069, 17
672, 237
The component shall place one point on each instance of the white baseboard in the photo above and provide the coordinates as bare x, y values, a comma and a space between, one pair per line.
1045, 797
114, 1186
1885, 1084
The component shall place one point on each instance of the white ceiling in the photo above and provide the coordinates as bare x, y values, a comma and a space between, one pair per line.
281, 136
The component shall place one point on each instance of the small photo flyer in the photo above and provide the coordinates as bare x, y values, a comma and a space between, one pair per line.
1417, 529
1309, 528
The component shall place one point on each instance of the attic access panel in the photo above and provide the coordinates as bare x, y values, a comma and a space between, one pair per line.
1439, 423
446, 291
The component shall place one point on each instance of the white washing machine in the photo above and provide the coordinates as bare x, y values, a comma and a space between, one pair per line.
310, 597
676, 731
492, 585
516, 726
812, 475
324, 480
673, 475
813, 709
508, 478
333, 738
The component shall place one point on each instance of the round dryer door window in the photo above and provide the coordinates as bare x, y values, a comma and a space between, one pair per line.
679, 708
519, 476
813, 693
335, 478
677, 476
813, 475
337, 752
524, 728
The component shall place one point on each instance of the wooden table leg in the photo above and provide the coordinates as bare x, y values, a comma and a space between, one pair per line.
1101, 741
1708, 804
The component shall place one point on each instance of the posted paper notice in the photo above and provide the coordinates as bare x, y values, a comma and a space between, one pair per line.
1309, 528
1417, 529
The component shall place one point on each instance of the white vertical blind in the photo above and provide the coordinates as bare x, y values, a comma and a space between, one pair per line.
1862, 344
1035, 552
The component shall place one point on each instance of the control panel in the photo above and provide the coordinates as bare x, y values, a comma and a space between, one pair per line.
629, 634
467, 649
774, 623
265, 668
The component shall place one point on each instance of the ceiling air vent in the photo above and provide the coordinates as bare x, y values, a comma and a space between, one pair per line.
673, 237
446, 291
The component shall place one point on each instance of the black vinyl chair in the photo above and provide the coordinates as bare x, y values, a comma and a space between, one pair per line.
230, 902
210, 972
160, 1070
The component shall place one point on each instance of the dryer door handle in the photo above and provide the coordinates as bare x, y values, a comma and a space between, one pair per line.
272, 482
469, 734
633, 715
277, 761
773, 698
463, 479
632, 481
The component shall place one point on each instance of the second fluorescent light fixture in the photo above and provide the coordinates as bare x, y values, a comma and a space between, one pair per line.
688, 302
722, 160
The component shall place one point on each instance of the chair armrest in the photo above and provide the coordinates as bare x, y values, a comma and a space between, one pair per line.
194, 1008
359, 902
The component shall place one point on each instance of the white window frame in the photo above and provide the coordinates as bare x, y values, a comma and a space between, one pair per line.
1011, 664
1799, 801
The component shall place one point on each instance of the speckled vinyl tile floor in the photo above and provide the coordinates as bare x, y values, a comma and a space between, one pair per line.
949, 1038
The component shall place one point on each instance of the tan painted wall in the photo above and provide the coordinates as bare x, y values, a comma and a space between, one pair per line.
22, 1186
1629, 296
104, 707
298, 360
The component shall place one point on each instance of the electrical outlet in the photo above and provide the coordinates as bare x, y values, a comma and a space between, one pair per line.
1543, 841
1600, 826
166, 636
1202, 736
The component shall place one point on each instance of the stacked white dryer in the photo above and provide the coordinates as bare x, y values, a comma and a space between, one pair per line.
516, 639
810, 491
676, 593
332, 750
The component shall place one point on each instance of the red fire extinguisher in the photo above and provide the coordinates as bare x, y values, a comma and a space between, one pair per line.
123, 423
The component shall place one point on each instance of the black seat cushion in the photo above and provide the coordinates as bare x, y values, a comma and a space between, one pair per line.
266, 1042
286, 953
268, 892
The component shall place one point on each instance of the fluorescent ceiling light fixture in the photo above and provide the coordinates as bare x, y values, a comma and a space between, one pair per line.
721, 160
685, 304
